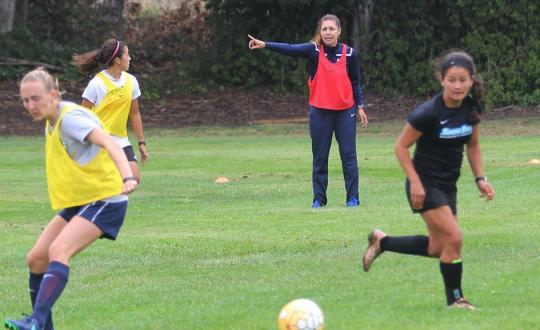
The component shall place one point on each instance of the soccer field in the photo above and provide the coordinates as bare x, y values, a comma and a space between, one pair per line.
198, 255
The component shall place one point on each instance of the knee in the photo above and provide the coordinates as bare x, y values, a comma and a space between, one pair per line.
454, 240
348, 151
37, 260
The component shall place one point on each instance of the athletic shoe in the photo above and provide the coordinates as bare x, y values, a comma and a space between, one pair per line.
317, 205
24, 324
462, 304
353, 202
374, 249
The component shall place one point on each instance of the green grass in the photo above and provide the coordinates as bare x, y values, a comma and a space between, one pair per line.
197, 255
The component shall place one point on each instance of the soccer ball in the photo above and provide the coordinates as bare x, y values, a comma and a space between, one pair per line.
301, 314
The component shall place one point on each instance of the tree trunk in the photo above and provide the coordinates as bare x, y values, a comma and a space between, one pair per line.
25, 12
7, 14
361, 34
120, 16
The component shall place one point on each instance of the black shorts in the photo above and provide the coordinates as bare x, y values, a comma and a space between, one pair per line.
130, 154
436, 195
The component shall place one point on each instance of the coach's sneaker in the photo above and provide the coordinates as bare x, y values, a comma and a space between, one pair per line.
317, 205
462, 304
353, 202
374, 248
24, 324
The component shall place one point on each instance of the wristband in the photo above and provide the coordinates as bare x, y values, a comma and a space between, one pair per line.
142, 142
480, 178
128, 178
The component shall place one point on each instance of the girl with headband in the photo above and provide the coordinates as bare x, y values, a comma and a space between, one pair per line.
440, 128
113, 95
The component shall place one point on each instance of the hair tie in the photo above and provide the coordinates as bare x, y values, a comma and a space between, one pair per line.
115, 51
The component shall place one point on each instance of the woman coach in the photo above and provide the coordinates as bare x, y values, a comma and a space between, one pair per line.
335, 98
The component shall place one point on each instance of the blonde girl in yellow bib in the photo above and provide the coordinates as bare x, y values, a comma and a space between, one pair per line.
88, 179
113, 95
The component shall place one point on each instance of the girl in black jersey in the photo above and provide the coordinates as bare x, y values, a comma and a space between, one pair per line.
440, 128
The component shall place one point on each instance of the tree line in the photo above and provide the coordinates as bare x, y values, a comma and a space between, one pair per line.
202, 45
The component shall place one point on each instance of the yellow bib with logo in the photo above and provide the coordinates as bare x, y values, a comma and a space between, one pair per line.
115, 107
71, 184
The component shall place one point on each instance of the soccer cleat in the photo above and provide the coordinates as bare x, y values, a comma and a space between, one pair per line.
24, 324
374, 249
353, 202
462, 304
316, 204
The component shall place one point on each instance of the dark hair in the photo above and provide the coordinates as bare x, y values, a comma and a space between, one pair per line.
89, 62
328, 17
464, 60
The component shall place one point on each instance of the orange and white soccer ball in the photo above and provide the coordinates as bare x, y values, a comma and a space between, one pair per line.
301, 314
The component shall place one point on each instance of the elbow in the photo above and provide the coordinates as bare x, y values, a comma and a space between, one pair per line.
398, 149
397, 152
401, 151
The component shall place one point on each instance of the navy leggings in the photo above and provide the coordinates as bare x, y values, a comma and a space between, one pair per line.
322, 125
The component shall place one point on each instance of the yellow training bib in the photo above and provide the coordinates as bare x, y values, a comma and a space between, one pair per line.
115, 107
70, 184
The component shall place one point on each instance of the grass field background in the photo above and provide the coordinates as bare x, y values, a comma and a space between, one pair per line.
197, 255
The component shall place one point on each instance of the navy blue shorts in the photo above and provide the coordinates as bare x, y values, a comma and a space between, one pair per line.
130, 154
436, 196
107, 216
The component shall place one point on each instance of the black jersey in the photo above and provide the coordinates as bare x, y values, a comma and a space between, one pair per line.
439, 151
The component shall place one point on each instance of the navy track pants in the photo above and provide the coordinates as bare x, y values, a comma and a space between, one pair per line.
323, 124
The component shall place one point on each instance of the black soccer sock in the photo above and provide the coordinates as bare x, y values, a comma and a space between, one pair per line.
34, 281
451, 274
415, 245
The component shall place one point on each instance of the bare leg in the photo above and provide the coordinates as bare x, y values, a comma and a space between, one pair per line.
73, 238
445, 232
435, 246
38, 257
38, 260
77, 235
444, 229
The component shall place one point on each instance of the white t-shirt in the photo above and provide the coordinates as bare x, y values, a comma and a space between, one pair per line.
96, 90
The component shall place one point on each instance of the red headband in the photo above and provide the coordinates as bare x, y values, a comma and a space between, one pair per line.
115, 51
